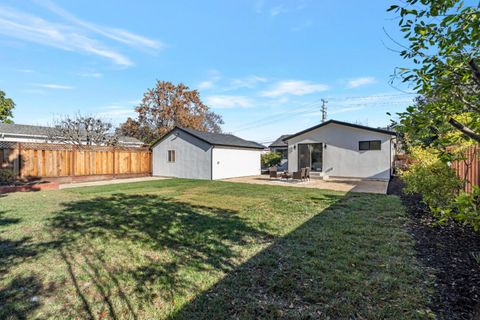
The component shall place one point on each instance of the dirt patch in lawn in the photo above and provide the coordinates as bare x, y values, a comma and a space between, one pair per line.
450, 252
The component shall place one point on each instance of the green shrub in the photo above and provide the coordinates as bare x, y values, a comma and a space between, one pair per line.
440, 188
7, 176
432, 178
466, 208
271, 159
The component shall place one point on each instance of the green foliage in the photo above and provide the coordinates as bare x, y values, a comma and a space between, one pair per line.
7, 176
6, 107
431, 177
443, 44
466, 208
271, 159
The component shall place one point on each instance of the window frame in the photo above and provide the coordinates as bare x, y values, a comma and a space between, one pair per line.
171, 156
370, 143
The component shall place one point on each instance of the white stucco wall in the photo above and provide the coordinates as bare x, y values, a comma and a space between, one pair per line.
235, 162
193, 157
7, 137
22, 138
342, 157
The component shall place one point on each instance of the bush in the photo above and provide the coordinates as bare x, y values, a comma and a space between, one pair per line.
440, 188
432, 178
466, 208
271, 159
7, 176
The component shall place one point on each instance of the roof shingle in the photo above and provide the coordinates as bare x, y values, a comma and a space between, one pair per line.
42, 131
279, 143
218, 139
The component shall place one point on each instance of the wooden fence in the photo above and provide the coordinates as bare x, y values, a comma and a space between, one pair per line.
468, 168
68, 162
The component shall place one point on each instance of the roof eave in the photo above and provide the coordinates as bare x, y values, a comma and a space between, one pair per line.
233, 146
356, 126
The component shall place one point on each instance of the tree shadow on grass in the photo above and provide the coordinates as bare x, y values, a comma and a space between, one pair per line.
195, 238
340, 264
20, 297
13, 252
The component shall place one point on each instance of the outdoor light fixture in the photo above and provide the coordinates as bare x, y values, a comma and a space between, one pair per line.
325, 146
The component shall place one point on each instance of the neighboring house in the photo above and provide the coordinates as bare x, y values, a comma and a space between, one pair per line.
281, 147
188, 153
39, 134
339, 149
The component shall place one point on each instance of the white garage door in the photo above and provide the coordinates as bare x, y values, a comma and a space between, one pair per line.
231, 163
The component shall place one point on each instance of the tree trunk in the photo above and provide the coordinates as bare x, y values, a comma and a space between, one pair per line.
465, 130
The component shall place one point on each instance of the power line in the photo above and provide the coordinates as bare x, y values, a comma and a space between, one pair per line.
373, 96
313, 106
280, 115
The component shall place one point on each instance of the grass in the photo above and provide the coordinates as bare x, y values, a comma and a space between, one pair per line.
184, 249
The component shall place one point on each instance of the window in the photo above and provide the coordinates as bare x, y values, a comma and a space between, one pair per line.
171, 155
369, 145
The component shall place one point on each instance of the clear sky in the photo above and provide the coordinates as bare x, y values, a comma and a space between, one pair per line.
262, 65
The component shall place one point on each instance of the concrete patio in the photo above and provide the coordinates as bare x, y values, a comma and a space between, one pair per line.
350, 185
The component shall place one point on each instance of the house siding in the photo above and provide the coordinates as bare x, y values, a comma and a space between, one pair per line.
193, 157
22, 138
342, 157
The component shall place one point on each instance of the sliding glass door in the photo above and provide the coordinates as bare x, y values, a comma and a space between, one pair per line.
310, 155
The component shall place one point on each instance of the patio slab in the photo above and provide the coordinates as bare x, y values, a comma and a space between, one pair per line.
346, 185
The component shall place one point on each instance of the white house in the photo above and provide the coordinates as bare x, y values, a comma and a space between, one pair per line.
339, 149
188, 153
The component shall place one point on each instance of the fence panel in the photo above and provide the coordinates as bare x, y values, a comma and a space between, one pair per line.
467, 169
57, 161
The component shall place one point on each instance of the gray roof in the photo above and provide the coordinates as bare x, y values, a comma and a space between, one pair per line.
279, 143
42, 131
347, 124
219, 139
23, 129
126, 139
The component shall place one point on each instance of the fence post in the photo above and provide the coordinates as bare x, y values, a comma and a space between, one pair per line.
150, 170
113, 162
73, 162
19, 160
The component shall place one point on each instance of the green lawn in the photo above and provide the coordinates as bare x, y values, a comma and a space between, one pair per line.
184, 249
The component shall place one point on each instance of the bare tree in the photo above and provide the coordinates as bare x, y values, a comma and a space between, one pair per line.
82, 130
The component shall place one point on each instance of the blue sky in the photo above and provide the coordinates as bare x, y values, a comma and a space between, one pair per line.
262, 65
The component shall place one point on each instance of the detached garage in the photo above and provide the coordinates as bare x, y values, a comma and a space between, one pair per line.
189, 153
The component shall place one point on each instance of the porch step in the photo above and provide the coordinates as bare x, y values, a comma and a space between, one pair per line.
316, 175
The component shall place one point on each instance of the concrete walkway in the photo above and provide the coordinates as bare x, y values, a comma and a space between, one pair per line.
106, 182
346, 185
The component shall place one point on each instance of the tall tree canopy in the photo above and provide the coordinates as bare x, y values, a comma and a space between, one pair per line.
443, 44
166, 106
6, 107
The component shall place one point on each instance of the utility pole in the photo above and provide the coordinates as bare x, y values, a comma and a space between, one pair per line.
323, 109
